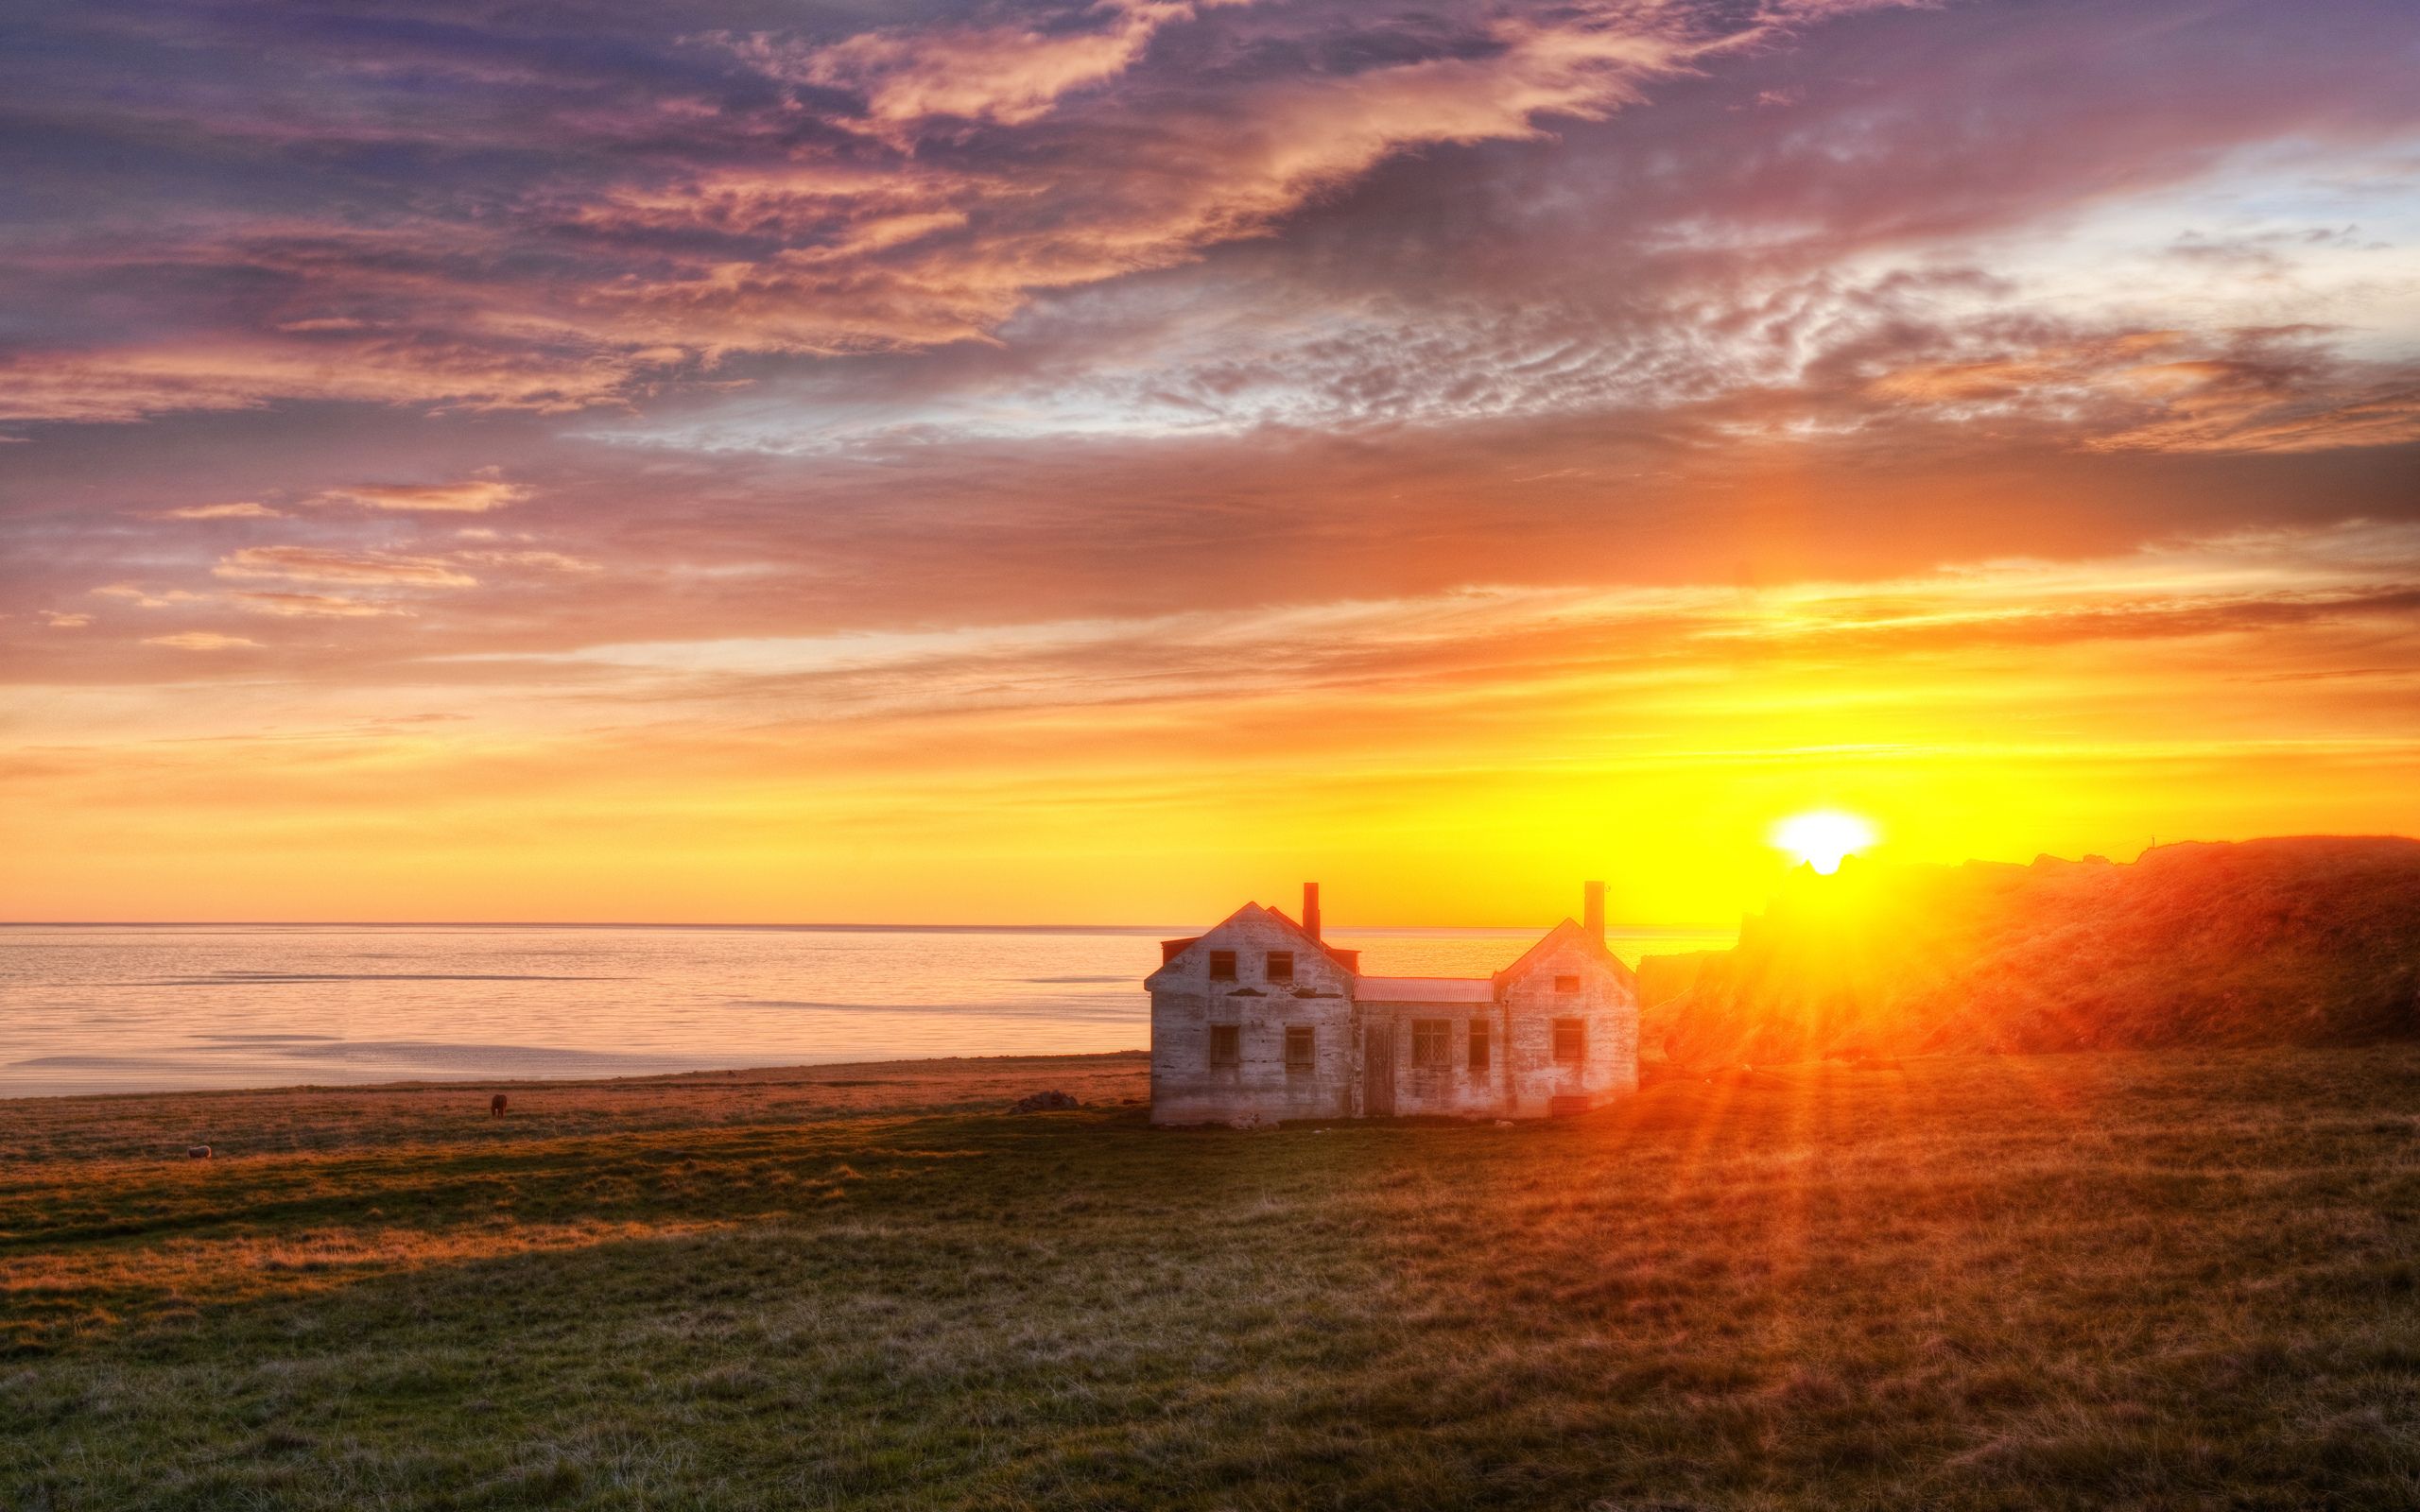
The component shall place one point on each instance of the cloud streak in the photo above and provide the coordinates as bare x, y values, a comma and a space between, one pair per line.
310, 564
312, 605
471, 496
202, 641
777, 225
1012, 74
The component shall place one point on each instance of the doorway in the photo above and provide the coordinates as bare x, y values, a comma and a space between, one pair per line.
1378, 1069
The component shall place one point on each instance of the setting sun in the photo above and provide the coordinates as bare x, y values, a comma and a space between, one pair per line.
1822, 837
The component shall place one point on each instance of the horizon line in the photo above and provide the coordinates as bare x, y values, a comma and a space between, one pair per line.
1154, 930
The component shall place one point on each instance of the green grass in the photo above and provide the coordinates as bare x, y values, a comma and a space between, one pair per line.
2139, 1280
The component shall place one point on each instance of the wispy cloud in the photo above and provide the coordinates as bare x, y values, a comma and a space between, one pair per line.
472, 496
202, 641
247, 509
312, 605
311, 564
549, 560
746, 233
1008, 74
144, 599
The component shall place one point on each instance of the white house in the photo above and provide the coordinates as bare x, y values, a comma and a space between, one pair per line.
1258, 1020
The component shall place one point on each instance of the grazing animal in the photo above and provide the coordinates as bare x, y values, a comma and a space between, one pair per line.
495, 1106
196, 1152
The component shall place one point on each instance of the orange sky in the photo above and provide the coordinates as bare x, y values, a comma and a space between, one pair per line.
1060, 465
1461, 758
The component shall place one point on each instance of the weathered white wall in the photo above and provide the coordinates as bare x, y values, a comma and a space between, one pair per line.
1185, 1088
1521, 1078
1608, 1001
1453, 1088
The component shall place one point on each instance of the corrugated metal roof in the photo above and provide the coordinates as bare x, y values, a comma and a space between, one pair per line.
1423, 990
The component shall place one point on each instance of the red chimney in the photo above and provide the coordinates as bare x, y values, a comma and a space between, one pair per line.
1311, 909
1593, 917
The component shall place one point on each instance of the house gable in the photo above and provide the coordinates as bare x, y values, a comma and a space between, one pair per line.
1253, 933
1560, 943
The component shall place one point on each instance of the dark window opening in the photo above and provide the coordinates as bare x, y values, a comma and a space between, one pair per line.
1570, 1041
1479, 1044
1226, 1044
1566, 984
1223, 966
1298, 1049
1431, 1039
1281, 966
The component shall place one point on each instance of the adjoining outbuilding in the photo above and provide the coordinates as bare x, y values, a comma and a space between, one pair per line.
1259, 1019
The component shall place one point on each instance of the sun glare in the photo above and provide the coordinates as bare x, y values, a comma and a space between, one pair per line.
1822, 837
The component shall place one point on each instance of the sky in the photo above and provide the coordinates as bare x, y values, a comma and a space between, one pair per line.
759, 460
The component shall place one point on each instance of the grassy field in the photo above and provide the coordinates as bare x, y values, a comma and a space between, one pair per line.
2127, 1280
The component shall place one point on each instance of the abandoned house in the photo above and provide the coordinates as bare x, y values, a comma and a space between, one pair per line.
1258, 1020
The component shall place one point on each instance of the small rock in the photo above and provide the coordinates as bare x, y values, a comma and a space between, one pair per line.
1043, 1103
196, 1152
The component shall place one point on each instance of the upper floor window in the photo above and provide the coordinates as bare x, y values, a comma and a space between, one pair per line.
1226, 1044
1566, 984
1281, 966
1431, 1041
1570, 1041
1223, 966
1298, 1047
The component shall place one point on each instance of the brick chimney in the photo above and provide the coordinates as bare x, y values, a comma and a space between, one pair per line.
1593, 915
1311, 909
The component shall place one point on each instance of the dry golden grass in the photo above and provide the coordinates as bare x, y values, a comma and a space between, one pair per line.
317, 1119
2144, 1281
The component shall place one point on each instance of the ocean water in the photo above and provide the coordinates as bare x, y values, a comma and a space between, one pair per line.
157, 1007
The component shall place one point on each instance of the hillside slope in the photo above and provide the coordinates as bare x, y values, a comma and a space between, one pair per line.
2307, 941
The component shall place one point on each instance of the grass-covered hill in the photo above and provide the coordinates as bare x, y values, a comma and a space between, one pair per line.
2312, 940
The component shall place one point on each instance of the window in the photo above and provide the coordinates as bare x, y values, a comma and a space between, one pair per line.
1223, 966
1226, 1047
1281, 966
1566, 984
1429, 1039
1479, 1044
1298, 1047
1570, 1041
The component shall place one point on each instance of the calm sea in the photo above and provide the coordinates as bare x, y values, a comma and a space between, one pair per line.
155, 1007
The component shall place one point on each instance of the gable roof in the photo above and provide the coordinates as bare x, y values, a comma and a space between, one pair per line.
1173, 951
1567, 932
